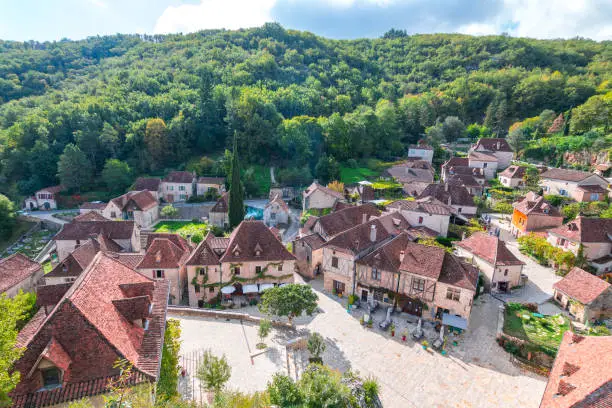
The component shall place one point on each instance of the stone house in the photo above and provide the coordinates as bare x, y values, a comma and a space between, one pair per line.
595, 236
341, 252
501, 269
18, 272
43, 199
276, 212
151, 184
580, 376
512, 177
125, 234
533, 213
219, 213
582, 186
92, 206
308, 251
486, 161
411, 171
585, 296
473, 185
498, 147
319, 197
72, 343
178, 186
427, 212
165, 258
452, 194
421, 280
139, 206
461, 166
205, 184
204, 277
330, 225
421, 151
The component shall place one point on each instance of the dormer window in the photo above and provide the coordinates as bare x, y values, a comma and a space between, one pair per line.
52, 377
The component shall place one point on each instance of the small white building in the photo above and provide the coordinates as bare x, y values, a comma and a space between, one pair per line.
140, 206
485, 161
512, 177
582, 186
319, 197
428, 213
204, 184
219, 213
421, 151
276, 212
498, 147
43, 199
178, 186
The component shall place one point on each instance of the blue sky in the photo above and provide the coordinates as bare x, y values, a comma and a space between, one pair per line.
56, 19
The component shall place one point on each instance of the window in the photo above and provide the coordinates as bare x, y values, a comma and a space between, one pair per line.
273, 216
51, 377
418, 284
113, 214
130, 214
453, 294
484, 165
506, 272
181, 188
211, 289
420, 220
378, 295
375, 274
170, 188
258, 269
78, 242
594, 196
183, 197
459, 210
334, 261
562, 192
280, 267
236, 270
197, 289
203, 271
159, 273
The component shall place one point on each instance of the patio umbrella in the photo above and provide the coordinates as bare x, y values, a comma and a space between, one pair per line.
264, 286
250, 289
228, 290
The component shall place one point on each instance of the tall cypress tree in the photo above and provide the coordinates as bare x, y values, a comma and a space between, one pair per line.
236, 193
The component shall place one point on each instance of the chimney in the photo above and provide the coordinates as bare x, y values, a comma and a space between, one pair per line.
373, 233
446, 187
402, 253
364, 218
449, 200
158, 257
498, 145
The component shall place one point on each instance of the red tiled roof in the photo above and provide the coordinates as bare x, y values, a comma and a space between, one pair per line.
90, 216
458, 194
135, 200
467, 180
457, 161
82, 230
222, 204
316, 186
490, 248
583, 229
423, 260
93, 205
457, 273
387, 257
163, 254
581, 376
592, 188
76, 261
566, 175
128, 259
15, 269
467, 171
52, 189
580, 285
513, 172
179, 177
278, 200
493, 144
408, 172
314, 241
56, 354
204, 254
482, 156
211, 180
421, 146
147, 183
336, 222
175, 238
309, 224
251, 237
50, 295
535, 204
424, 207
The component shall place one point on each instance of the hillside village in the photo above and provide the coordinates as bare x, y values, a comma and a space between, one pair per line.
427, 266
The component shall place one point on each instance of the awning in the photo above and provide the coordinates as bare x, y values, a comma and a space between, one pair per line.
227, 290
454, 321
264, 286
250, 289
282, 284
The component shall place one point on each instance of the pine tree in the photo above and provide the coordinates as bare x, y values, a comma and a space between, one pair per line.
236, 193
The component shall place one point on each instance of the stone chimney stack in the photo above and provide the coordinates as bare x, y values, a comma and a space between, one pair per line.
402, 253
373, 233
364, 218
446, 187
449, 200
498, 145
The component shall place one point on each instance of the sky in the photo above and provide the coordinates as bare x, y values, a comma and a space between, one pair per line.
47, 20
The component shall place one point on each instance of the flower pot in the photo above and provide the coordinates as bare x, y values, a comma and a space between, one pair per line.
392, 333
424, 347
404, 337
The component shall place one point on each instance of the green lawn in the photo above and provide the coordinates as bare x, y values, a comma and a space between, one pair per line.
545, 332
183, 228
349, 175
21, 227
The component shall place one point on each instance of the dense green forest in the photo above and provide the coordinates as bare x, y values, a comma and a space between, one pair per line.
294, 100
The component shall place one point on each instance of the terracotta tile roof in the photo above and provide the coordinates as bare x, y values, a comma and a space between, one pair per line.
421, 232
163, 254
466, 180
490, 248
176, 239
467, 171
367, 194
457, 161
251, 237
482, 156
423, 260
588, 384
535, 204
204, 254
583, 229
34, 324
513, 172
91, 304
93, 205
82, 230
222, 204
90, 216
128, 259
179, 177
316, 186
387, 257
340, 205
55, 353
493, 144
278, 200
580, 285
314, 241
76, 261
457, 273
52, 189
425, 207
407, 172
50, 295
357, 239
457, 193
336, 222
420, 146
147, 183
217, 244
309, 224
592, 188
566, 175
414, 188
135, 200
15, 269
211, 180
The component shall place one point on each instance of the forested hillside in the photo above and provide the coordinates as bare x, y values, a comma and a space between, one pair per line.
300, 102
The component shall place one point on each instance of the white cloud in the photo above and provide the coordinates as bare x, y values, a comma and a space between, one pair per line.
99, 3
478, 29
231, 14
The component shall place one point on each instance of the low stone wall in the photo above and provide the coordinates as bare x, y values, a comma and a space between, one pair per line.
222, 314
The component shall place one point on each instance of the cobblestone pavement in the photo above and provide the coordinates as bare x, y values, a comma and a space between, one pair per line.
475, 373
